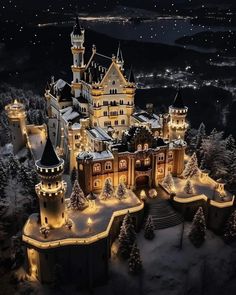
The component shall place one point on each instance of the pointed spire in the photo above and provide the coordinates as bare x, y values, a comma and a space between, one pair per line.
77, 28
119, 55
131, 78
178, 101
49, 156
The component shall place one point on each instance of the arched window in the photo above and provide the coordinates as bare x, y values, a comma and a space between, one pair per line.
170, 168
46, 220
108, 165
138, 163
97, 167
123, 164
123, 179
145, 146
49, 185
97, 183
160, 171
139, 147
122, 122
121, 112
161, 157
170, 155
147, 161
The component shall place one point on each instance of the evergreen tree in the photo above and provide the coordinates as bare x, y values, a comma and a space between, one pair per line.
168, 182
230, 143
3, 180
135, 263
149, 233
191, 168
121, 191
23, 176
198, 229
14, 166
107, 191
188, 188
127, 237
231, 179
230, 228
73, 175
77, 198
201, 133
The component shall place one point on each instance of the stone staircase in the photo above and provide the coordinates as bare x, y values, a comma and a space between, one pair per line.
163, 214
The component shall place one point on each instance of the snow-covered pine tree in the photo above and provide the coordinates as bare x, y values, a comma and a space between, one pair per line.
198, 229
14, 165
3, 180
121, 191
230, 228
77, 198
126, 237
191, 168
168, 182
231, 180
107, 191
230, 143
188, 188
201, 133
135, 262
149, 233
73, 175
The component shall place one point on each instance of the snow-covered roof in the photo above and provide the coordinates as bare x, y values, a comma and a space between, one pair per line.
101, 218
99, 133
104, 155
70, 114
75, 126
152, 119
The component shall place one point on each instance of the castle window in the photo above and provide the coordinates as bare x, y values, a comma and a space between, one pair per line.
105, 113
138, 163
170, 155
145, 147
46, 220
177, 121
105, 103
44, 204
76, 136
81, 167
139, 147
62, 214
97, 183
49, 185
113, 82
107, 123
108, 165
116, 122
97, 167
147, 161
121, 102
62, 201
123, 122
123, 164
123, 179
121, 112
161, 157
57, 184
95, 124
170, 168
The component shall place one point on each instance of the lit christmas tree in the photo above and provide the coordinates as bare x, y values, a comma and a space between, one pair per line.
149, 233
191, 168
107, 191
198, 229
168, 182
188, 188
77, 198
121, 191
230, 228
127, 237
135, 263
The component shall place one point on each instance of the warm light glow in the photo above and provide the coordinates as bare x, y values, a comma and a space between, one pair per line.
90, 221
143, 195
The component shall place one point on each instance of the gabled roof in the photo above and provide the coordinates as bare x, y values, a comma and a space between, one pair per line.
61, 89
178, 101
77, 28
49, 156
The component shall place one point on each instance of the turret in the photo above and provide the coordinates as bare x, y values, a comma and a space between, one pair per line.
17, 123
51, 189
178, 112
77, 49
119, 58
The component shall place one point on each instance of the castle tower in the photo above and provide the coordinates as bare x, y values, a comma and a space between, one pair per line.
17, 123
77, 49
119, 58
178, 112
51, 189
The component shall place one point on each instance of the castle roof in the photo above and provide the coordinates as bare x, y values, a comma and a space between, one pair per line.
178, 101
77, 28
119, 55
131, 78
61, 89
49, 156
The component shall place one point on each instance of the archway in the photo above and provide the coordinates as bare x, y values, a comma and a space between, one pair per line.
142, 181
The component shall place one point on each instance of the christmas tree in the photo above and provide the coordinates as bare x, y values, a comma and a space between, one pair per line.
107, 191
198, 229
127, 237
168, 182
230, 228
188, 188
135, 263
121, 191
77, 198
191, 168
149, 229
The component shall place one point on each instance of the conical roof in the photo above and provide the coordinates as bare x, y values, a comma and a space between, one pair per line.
49, 156
131, 78
178, 101
119, 55
77, 27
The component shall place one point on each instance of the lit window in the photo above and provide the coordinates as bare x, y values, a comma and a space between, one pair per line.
76, 136
160, 171
161, 157
147, 162
145, 147
108, 165
123, 164
97, 167
81, 167
170, 168
97, 183
123, 179
170, 155
139, 147
138, 163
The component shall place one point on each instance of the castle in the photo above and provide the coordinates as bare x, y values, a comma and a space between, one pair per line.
97, 130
